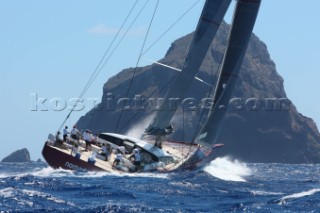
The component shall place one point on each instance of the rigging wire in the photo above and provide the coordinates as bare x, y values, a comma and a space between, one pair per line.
100, 67
95, 73
157, 40
152, 94
214, 82
135, 69
165, 32
123, 36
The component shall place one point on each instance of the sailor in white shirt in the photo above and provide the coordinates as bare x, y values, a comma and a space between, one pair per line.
137, 159
74, 133
87, 137
118, 159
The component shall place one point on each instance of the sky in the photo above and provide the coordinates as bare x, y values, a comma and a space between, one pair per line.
49, 49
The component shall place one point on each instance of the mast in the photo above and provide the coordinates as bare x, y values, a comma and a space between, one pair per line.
242, 25
209, 22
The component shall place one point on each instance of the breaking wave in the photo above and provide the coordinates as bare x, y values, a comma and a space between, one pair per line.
294, 196
226, 169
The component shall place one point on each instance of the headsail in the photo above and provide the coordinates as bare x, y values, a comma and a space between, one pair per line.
242, 25
210, 20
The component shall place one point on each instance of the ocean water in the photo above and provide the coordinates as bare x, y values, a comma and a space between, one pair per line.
223, 186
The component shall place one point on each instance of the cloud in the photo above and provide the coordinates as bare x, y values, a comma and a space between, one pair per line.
102, 29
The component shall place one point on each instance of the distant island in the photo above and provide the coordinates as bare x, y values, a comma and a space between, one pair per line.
19, 156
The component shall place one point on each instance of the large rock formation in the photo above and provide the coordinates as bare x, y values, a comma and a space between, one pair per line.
261, 124
21, 155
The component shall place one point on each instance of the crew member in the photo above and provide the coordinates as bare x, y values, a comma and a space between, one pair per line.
65, 133
118, 159
137, 159
74, 133
87, 138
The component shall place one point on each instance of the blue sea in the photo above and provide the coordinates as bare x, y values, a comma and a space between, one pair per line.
224, 185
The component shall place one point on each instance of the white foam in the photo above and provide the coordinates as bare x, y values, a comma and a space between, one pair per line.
32, 193
226, 169
150, 175
186, 184
3, 175
44, 172
6, 175
11, 193
264, 193
298, 195
22, 202
120, 174
7, 192
50, 172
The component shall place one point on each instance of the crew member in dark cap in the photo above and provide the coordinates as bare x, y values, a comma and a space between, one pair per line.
65, 133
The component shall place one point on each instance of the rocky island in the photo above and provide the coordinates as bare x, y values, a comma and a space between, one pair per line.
19, 156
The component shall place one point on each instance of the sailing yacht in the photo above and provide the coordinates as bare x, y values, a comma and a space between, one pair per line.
156, 153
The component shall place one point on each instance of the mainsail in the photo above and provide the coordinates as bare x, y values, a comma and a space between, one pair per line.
242, 25
209, 22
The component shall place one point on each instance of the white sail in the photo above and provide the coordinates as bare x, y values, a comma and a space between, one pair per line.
243, 22
209, 22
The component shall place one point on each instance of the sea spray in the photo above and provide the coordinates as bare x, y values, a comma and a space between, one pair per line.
226, 169
139, 128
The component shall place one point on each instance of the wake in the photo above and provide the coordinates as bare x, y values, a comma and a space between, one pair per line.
284, 199
226, 169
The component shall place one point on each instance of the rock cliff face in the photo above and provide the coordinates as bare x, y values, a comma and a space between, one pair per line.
261, 124
21, 155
